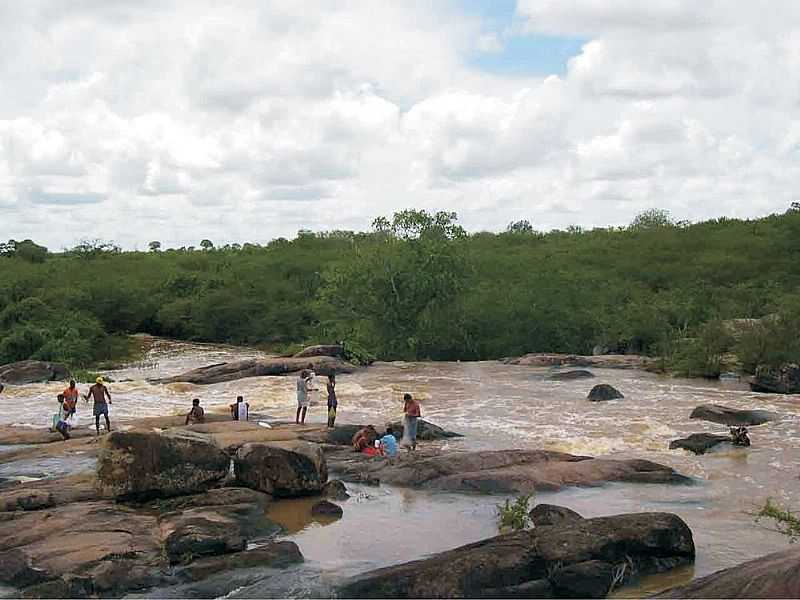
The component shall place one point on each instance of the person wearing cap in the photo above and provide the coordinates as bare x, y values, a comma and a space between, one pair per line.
99, 392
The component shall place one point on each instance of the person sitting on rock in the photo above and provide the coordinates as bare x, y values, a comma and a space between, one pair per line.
240, 410
197, 414
389, 444
739, 436
364, 438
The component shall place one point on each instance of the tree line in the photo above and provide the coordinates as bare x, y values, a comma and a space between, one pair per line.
418, 286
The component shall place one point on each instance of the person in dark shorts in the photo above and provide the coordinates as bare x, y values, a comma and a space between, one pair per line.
99, 392
240, 410
60, 419
333, 403
197, 414
70, 399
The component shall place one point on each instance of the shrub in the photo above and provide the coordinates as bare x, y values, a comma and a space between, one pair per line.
514, 515
786, 522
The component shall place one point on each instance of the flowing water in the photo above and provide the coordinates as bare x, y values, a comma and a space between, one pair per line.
495, 406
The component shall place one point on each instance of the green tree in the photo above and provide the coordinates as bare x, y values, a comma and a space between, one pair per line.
154, 246
207, 245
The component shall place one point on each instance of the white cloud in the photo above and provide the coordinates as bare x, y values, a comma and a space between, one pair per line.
177, 120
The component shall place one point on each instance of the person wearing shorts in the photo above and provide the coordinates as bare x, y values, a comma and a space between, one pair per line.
70, 399
99, 392
303, 383
411, 415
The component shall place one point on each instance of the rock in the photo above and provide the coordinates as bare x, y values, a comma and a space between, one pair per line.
603, 392
336, 350
425, 431
47, 493
32, 371
537, 588
781, 380
18, 569
200, 532
699, 443
603, 361
275, 555
68, 586
570, 375
25, 499
773, 576
502, 471
568, 558
716, 413
283, 469
335, 490
327, 509
543, 515
255, 367
146, 464
223, 497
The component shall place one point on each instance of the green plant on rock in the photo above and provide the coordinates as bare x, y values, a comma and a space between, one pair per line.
785, 521
514, 515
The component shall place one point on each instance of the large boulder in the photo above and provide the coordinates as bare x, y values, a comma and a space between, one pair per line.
603, 392
259, 367
773, 576
542, 515
603, 361
144, 464
323, 508
321, 350
274, 555
425, 431
501, 471
699, 443
723, 415
284, 469
577, 559
32, 371
571, 375
777, 380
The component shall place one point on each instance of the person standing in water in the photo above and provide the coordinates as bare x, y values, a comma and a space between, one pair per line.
411, 415
332, 401
99, 392
302, 397
240, 410
70, 399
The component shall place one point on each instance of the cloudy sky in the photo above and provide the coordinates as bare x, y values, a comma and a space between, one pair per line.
245, 121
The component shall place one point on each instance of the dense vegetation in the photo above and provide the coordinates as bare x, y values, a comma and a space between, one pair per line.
419, 287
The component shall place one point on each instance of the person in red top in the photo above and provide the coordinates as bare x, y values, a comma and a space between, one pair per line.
412, 413
70, 399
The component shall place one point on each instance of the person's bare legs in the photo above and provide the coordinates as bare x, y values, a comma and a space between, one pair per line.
97, 423
303, 417
108, 424
297, 416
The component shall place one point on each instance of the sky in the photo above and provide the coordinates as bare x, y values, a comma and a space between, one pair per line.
245, 121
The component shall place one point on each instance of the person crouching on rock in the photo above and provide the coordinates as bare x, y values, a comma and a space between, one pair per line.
197, 414
99, 392
364, 438
389, 443
60, 419
332, 402
240, 410
303, 385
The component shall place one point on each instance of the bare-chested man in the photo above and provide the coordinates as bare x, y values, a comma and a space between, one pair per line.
99, 393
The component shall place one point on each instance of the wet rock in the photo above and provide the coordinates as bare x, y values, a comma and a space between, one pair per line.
716, 413
47, 493
425, 431
571, 558
282, 469
119, 574
335, 490
773, 576
603, 361
228, 496
18, 569
275, 555
68, 586
781, 380
699, 443
537, 588
502, 471
603, 392
200, 532
321, 350
570, 375
327, 509
32, 371
25, 499
543, 515
143, 464
241, 369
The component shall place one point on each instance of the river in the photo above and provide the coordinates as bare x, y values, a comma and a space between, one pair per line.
495, 406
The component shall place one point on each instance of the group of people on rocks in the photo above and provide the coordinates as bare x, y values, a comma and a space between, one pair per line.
68, 406
306, 386
370, 442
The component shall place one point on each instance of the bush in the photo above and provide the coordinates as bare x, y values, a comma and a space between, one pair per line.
785, 521
514, 516
704, 355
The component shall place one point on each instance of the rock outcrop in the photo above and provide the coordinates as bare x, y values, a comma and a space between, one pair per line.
336, 350
274, 555
32, 371
335, 490
426, 431
773, 576
258, 367
603, 361
500, 471
699, 443
723, 415
324, 508
285, 469
603, 392
543, 515
781, 380
143, 464
342, 435
578, 559
571, 375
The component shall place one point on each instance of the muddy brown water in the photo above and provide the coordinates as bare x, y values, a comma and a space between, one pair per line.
496, 406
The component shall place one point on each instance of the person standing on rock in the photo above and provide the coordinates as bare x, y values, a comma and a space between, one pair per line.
333, 403
411, 414
70, 399
60, 419
197, 414
99, 392
302, 397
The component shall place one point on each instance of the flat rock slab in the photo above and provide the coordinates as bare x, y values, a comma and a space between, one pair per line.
259, 367
577, 559
32, 371
601, 361
716, 413
773, 576
699, 443
500, 471
274, 555
48, 493
570, 375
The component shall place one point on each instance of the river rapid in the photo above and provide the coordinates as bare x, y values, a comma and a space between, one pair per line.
496, 406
